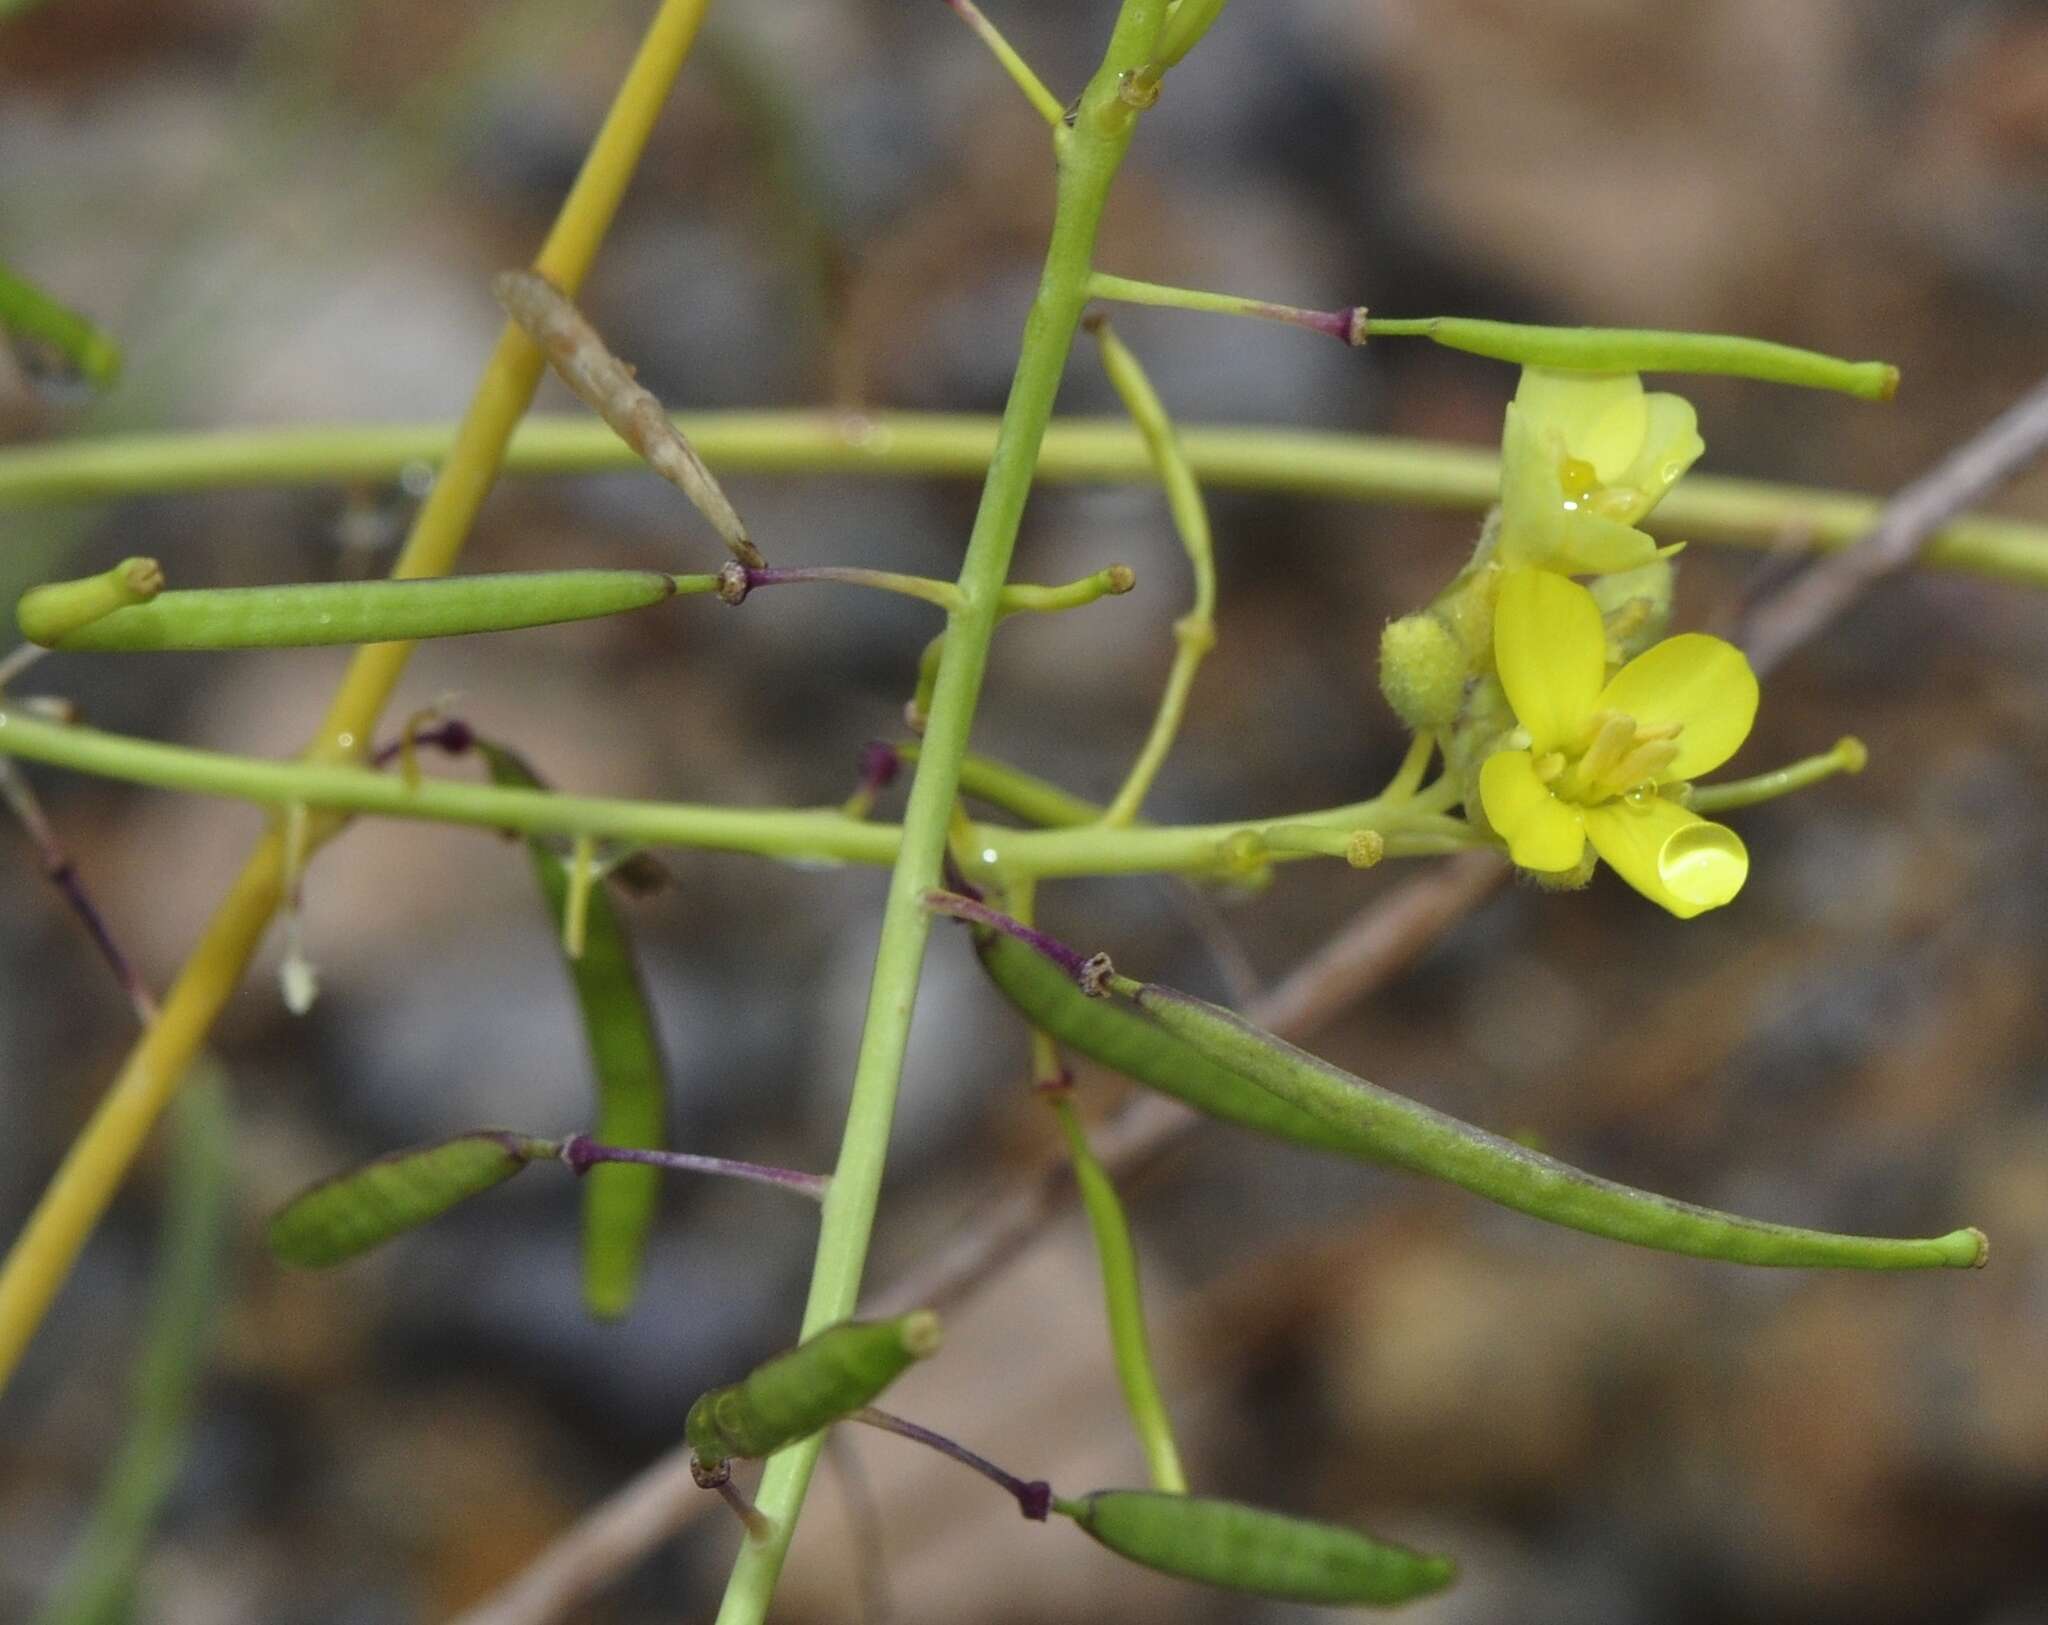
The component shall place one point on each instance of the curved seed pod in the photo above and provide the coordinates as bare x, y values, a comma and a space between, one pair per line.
367, 1206
1126, 1041
619, 1199
1632, 349
1244, 1548
367, 611
29, 313
50, 613
1425, 1141
815, 1384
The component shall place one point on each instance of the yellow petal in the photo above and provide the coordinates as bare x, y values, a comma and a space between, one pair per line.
1673, 857
1590, 544
1542, 832
1600, 416
1701, 683
1671, 445
1551, 652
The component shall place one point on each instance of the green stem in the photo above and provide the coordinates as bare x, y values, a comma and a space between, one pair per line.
98, 1580
1359, 468
1848, 756
1126, 1306
1088, 162
1035, 800
1194, 634
1338, 324
1409, 826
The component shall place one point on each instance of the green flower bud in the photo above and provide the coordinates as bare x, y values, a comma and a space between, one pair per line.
1422, 671
1635, 606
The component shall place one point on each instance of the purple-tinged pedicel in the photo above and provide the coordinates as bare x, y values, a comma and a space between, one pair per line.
1034, 1497
1074, 963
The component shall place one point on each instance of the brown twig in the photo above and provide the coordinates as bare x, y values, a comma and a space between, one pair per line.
1962, 479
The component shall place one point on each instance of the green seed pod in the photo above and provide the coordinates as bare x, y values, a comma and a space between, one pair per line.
49, 614
366, 1207
1126, 1041
1243, 1548
323, 613
28, 313
1422, 672
1641, 349
813, 1385
1411, 1135
619, 1199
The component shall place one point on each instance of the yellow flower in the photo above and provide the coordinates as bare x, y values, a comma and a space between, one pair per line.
1583, 458
1601, 751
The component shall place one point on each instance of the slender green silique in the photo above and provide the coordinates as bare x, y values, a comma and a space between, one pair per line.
315, 614
98, 1581
1304, 462
1125, 1302
28, 313
1248, 1549
49, 614
367, 1206
619, 1198
1425, 1141
1087, 161
1633, 349
824, 1379
1124, 1039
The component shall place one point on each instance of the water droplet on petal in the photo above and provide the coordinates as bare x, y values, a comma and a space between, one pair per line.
1641, 795
1703, 864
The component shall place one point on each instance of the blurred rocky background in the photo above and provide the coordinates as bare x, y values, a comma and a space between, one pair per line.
289, 210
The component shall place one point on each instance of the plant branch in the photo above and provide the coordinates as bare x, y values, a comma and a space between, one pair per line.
1408, 827
1360, 468
1088, 161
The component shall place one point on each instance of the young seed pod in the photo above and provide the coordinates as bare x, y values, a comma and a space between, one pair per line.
1129, 1042
320, 613
619, 1199
820, 1381
1248, 1549
1411, 1135
367, 1206
36, 321
1634, 349
49, 614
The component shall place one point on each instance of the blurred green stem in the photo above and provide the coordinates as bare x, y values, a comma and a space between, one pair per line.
97, 1586
1087, 162
1409, 826
1360, 468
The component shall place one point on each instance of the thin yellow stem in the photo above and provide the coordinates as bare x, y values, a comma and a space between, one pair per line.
99, 1159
